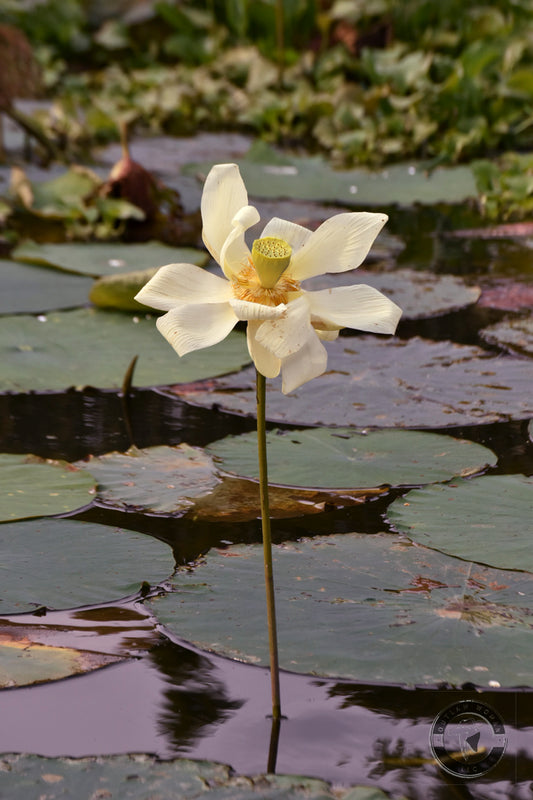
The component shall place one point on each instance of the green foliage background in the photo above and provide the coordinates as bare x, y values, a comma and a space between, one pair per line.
367, 82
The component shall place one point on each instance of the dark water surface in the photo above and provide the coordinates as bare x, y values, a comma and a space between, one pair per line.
174, 700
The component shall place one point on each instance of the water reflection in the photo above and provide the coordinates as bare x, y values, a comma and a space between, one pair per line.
195, 699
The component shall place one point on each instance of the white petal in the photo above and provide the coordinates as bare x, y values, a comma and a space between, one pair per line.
290, 232
289, 333
193, 327
175, 284
339, 244
359, 306
265, 362
244, 309
223, 195
309, 362
235, 253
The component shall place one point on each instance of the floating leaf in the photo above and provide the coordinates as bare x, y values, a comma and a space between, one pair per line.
109, 258
173, 480
379, 610
237, 500
342, 457
486, 520
163, 480
388, 383
138, 777
419, 294
62, 563
513, 334
23, 662
508, 296
35, 487
91, 347
267, 173
30, 289
118, 291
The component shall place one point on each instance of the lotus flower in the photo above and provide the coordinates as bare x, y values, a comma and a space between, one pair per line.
265, 286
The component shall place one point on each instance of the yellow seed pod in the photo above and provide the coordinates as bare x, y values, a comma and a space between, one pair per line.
271, 258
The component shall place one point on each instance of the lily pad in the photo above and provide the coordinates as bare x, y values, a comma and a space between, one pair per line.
268, 173
29, 289
23, 662
380, 609
138, 777
388, 383
35, 487
508, 296
342, 457
238, 500
173, 480
162, 480
91, 347
62, 563
419, 294
513, 334
109, 258
487, 519
118, 291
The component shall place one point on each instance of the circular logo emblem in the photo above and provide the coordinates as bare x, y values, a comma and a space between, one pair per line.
467, 739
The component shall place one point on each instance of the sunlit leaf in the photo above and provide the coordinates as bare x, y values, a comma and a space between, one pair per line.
23, 662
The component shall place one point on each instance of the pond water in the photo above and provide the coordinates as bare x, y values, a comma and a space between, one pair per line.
173, 699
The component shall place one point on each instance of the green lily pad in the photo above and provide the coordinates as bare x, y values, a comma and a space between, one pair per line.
380, 609
106, 258
90, 347
139, 777
118, 291
23, 663
486, 520
162, 480
388, 383
513, 334
419, 294
342, 457
268, 173
62, 197
29, 289
34, 487
62, 563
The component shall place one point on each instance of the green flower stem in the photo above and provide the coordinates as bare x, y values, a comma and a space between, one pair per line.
267, 545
